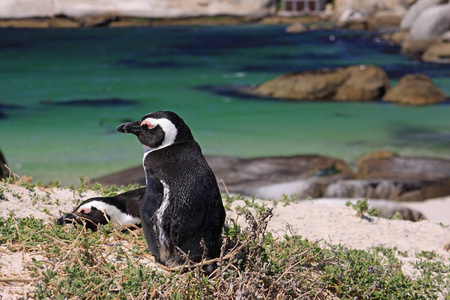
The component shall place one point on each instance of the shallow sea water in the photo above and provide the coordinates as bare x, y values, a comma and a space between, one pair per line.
44, 135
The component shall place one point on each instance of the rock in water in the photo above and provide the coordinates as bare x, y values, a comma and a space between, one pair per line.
415, 89
365, 83
439, 51
376, 154
296, 28
355, 83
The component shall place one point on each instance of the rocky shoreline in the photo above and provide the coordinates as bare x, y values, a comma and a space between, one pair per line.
422, 28
112, 21
380, 175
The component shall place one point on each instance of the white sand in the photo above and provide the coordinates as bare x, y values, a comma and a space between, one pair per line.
436, 210
314, 221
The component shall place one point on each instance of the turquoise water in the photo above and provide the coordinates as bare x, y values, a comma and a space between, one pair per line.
151, 69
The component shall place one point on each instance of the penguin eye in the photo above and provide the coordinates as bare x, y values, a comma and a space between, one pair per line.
84, 210
147, 124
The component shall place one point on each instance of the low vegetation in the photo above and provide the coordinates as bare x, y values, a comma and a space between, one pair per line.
71, 262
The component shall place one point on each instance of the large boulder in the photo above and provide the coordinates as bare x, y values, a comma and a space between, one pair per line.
376, 154
299, 189
415, 47
431, 23
439, 51
421, 178
397, 37
365, 83
243, 174
310, 85
415, 89
369, 14
428, 27
386, 19
355, 83
369, 7
373, 189
415, 10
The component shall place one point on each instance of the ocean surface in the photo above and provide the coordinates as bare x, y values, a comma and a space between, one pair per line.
64, 92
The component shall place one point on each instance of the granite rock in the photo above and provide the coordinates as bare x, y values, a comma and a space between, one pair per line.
354, 83
296, 28
421, 178
427, 28
415, 10
415, 89
376, 154
439, 51
374, 189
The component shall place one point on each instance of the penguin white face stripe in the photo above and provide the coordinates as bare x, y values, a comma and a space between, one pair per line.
118, 217
169, 129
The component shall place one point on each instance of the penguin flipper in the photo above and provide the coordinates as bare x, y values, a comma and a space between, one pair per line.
150, 203
150, 235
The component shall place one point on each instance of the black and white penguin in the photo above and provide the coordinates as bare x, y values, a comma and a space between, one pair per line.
182, 206
122, 209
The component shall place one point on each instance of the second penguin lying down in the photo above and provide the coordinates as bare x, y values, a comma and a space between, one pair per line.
182, 207
122, 209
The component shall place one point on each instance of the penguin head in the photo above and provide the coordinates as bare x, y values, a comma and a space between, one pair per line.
89, 216
158, 130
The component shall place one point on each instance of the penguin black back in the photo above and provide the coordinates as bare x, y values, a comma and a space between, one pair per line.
182, 206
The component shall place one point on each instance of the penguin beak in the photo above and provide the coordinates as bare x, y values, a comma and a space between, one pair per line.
67, 218
131, 127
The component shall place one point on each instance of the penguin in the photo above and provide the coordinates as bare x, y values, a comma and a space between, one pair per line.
182, 207
122, 209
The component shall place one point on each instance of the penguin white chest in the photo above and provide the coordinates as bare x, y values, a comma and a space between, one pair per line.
158, 227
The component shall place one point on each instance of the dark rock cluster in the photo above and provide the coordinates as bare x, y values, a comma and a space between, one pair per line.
383, 176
